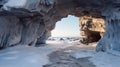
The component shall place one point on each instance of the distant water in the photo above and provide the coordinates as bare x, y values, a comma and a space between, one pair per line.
69, 37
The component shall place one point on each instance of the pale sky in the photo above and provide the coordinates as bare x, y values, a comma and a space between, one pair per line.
67, 27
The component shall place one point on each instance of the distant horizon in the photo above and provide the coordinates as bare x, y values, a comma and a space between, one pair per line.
67, 27
67, 36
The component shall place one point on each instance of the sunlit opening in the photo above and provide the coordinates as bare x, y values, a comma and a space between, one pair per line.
67, 27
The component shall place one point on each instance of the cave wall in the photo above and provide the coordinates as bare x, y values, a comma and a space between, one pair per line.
92, 29
10, 30
31, 22
14, 31
22, 23
110, 41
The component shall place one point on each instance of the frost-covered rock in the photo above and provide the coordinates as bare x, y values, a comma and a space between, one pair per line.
110, 40
92, 28
10, 31
42, 39
31, 5
32, 30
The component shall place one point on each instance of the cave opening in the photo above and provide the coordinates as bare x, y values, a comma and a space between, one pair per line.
67, 27
89, 28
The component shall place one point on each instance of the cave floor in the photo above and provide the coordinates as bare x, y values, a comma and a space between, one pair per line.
56, 54
63, 58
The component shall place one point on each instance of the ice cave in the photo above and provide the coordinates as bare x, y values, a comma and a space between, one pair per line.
27, 22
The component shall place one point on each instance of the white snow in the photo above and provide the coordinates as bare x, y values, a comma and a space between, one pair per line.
105, 60
117, 53
14, 3
100, 59
26, 56
64, 42
83, 54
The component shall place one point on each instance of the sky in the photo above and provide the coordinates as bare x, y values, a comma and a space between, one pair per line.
67, 27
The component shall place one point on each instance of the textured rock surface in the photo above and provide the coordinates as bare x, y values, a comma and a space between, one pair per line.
24, 21
92, 29
110, 40
10, 31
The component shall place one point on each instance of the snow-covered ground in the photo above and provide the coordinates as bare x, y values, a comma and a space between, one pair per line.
29, 56
100, 59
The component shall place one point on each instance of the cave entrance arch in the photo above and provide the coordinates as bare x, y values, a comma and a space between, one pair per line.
35, 19
91, 29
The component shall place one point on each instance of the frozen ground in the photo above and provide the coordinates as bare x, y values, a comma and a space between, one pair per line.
57, 53
100, 59
26, 56
62, 58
